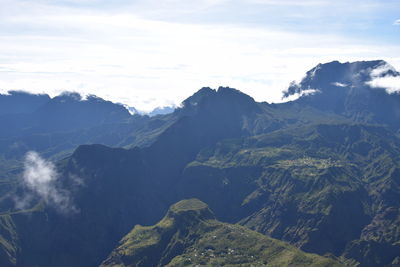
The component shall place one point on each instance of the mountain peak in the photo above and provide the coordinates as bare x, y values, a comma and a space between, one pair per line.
335, 75
190, 209
188, 205
197, 97
224, 99
348, 89
230, 90
353, 67
68, 97
212, 243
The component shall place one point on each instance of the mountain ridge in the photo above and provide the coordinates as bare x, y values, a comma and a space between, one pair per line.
324, 180
189, 235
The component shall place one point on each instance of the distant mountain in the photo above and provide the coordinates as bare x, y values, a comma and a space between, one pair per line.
344, 88
161, 111
66, 112
58, 125
320, 172
69, 111
189, 235
17, 102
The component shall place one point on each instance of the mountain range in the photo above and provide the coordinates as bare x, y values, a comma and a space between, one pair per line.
313, 181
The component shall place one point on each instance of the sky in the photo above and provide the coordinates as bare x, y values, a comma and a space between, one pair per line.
148, 53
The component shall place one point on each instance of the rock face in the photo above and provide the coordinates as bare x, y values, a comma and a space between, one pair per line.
189, 235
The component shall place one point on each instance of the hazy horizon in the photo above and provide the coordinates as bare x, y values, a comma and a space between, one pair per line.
149, 54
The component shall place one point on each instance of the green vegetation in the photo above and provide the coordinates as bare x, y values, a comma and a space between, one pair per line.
319, 187
189, 236
8, 241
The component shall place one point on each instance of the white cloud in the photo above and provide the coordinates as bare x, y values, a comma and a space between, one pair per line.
390, 83
382, 77
300, 94
40, 177
338, 84
381, 70
396, 22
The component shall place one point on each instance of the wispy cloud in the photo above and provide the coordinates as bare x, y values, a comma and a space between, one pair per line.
41, 179
338, 84
396, 22
301, 94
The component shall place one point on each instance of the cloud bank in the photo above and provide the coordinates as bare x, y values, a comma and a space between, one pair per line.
385, 77
41, 179
391, 84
